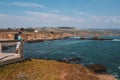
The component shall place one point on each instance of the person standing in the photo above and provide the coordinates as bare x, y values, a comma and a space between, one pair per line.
19, 38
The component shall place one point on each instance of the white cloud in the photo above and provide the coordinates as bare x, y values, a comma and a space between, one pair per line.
26, 4
65, 18
37, 19
40, 14
33, 19
48, 16
107, 19
16, 21
78, 12
80, 20
81, 13
54, 11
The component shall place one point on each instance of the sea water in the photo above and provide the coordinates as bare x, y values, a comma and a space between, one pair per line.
105, 52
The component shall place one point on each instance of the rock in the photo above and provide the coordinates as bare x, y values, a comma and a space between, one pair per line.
95, 37
65, 60
5, 47
100, 39
83, 38
74, 59
36, 40
12, 45
69, 60
28, 59
97, 68
106, 77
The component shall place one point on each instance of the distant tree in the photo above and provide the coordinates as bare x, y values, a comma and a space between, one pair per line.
29, 30
66, 27
9, 28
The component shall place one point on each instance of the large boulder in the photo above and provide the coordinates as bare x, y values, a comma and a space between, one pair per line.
97, 68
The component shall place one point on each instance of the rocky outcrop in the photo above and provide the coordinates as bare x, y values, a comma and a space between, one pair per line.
97, 68
105, 77
100, 72
36, 40
32, 35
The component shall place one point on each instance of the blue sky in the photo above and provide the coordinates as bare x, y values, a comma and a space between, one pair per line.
55, 13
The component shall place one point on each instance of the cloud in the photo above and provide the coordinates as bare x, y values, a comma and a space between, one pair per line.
77, 12
106, 19
48, 16
14, 21
35, 19
54, 11
38, 19
26, 4
81, 13
102, 22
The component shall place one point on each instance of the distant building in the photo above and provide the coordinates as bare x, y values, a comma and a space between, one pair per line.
36, 31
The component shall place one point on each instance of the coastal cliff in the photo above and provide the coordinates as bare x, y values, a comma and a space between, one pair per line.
34, 69
57, 33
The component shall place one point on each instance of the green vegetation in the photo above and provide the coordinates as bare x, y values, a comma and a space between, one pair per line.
17, 29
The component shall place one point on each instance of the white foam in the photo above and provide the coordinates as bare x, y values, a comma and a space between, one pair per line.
115, 74
116, 40
91, 63
75, 37
119, 67
82, 64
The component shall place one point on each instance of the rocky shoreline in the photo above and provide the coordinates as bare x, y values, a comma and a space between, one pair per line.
57, 33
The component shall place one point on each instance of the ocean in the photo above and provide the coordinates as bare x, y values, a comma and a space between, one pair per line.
104, 52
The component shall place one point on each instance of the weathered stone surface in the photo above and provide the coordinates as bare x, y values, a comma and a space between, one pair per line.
106, 77
97, 68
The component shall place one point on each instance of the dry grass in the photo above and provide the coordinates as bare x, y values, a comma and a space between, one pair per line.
45, 70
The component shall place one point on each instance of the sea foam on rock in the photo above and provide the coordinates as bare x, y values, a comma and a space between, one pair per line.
70, 60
